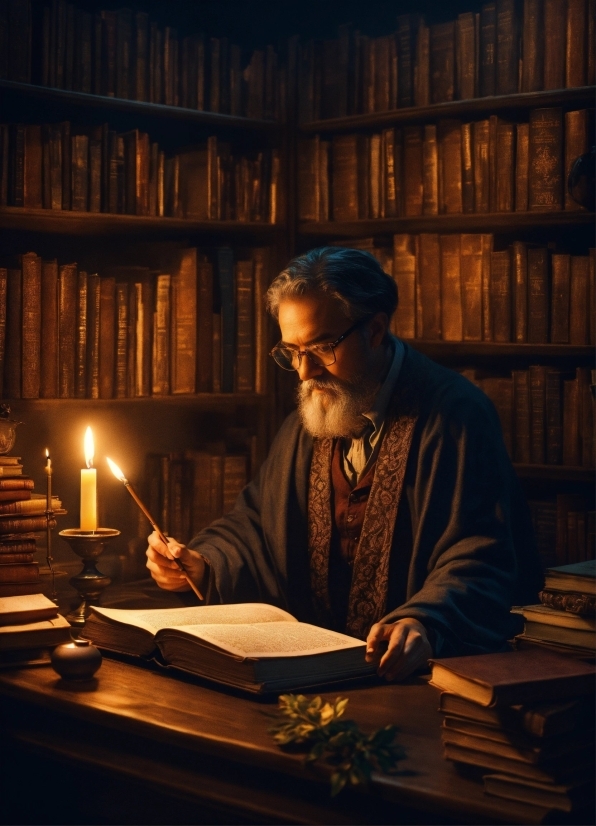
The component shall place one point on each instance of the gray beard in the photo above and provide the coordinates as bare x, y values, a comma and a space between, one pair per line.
338, 411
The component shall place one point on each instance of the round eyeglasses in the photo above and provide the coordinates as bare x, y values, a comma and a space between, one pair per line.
321, 355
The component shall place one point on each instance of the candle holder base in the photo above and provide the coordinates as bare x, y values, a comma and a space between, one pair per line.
90, 582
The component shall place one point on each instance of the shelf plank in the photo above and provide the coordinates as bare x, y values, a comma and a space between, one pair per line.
439, 350
137, 107
182, 400
557, 473
475, 106
469, 222
66, 222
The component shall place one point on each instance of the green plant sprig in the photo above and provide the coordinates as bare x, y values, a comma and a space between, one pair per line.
320, 729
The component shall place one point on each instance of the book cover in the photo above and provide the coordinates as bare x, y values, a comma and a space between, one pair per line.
67, 329
184, 323
451, 289
545, 160
31, 325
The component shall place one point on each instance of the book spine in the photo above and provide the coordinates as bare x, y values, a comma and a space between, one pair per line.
571, 442
14, 332
442, 62
576, 44
554, 418
245, 351
430, 169
521, 167
560, 298
500, 295
3, 295
32, 167
519, 258
471, 286
93, 320
31, 326
545, 161
554, 44
161, 337
122, 334
505, 171
81, 338
577, 142
428, 298
579, 300
451, 292
345, 177
537, 383
538, 299
467, 168
67, 324
465, 53
488, 49
107, 337
413, 171
507, 48
184, 353
225, 270
481, 148
521, 424
532, 75
404, 273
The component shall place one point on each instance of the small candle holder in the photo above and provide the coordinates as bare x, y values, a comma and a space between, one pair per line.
90, 582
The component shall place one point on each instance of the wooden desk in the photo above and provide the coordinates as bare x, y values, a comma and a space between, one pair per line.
143, 747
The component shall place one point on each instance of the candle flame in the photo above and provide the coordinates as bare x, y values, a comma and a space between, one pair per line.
89, 447
116, 470
47, 453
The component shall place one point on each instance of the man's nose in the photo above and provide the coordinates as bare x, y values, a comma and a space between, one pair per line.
307, 370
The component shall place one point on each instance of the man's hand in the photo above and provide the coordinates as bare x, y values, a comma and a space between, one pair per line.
399, 648
160, 561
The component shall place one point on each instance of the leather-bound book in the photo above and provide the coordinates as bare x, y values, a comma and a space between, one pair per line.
374, 178
505, 166
467, 168
80, 173
521, 416
488, 49
465, 56
144, 333
507, 48
123, 53
363, 174
390, 205
493, 122
46, 181
32, 171
578, 139
140, 62
471, 286
184, 323
95, 152
554, 417
255, 86
521, 166
579, 309
451, 289
3, 292
14, 334
122, 337
382, 75
560, 298
428, 292
586, 416
500, 296
107, 337
234, 479
21, 572
69, 47
554, 35
93, 295
109, 53
537, 382
422, 70
404, 273
31, 325
81, 339
532, 61
227, 294
571, 433
538, 295
545, 160
481, 149
67, 326
407, 27
500, 392
160, 361
131, 340
16, 165
413, 170
66, 165
576, 52
442, 62
54, 170
344, 154
519, 261
450, 167
324, 160
245, 317
261, 258
430, 167
487, 318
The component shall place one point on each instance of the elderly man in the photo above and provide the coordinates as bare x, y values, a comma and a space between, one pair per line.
387, 507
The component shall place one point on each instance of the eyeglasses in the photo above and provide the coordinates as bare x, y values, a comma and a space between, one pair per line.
321, 355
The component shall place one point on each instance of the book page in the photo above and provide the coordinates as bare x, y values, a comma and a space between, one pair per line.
154, 619
278, 639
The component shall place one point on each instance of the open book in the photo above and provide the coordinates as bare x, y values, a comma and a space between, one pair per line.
252, 646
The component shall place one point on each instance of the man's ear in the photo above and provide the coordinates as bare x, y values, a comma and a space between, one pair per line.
377, 329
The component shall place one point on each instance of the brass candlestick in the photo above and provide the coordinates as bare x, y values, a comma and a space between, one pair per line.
90, 582
49, 520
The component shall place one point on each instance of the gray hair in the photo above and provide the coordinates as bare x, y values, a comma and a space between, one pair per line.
353, 277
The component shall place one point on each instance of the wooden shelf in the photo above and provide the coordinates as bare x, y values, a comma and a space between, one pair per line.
439, 350
66, 222
469, 222
475, 106
555, 473
139, 108
183, 400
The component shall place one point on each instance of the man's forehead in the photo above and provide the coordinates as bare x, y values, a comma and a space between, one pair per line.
311, 318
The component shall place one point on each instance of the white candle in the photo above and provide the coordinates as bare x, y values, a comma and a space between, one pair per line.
89, 487
48, 469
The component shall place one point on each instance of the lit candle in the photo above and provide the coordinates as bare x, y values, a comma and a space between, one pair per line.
89, 487
48, 470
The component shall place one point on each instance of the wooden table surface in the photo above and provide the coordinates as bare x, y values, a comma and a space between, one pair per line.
207, 750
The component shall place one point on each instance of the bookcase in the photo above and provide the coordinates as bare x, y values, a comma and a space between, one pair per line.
440, 145
142, 216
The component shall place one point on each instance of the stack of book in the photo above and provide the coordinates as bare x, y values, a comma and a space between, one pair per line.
22, 513
29, 626
565, 618
564, 529
524, 721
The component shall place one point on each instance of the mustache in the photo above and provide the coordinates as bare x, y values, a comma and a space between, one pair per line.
335, 385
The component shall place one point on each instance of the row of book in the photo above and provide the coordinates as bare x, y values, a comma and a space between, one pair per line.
564, 529
522, 723
188, 491
96, 169
125, 54
546, 414
485, 166
496, 51
196, 325
457, 287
